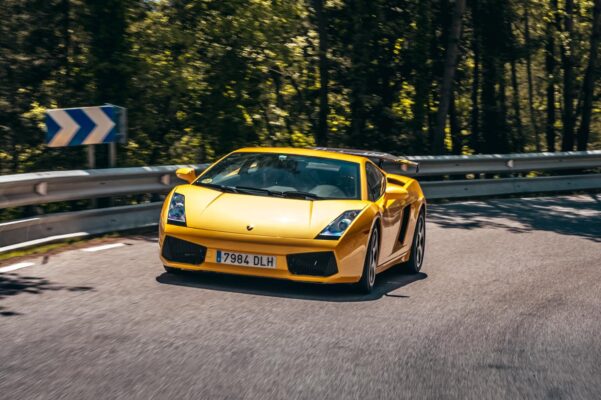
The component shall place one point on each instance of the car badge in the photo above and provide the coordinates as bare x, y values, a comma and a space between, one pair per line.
250, 227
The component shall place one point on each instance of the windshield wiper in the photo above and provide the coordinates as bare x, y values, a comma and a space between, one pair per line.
251, 190
287, 193
300, 194
222, 188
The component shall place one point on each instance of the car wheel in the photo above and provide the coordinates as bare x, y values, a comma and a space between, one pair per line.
418, 247
368, 278
171, 270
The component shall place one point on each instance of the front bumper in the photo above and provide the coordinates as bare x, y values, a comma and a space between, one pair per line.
349, 253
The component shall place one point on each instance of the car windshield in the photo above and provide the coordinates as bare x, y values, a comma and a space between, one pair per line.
284, 175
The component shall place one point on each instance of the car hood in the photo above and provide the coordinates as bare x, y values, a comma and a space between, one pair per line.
261, 215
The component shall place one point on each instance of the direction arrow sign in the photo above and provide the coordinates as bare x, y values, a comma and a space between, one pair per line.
85, 125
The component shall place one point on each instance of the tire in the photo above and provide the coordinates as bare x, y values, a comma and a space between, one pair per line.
171, 270
418, 246
368, 277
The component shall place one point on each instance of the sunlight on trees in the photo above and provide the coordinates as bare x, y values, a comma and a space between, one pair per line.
201, 78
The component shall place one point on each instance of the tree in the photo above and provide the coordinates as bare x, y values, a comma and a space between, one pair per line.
321, 136
495, 34
528, 46
201, 78
476, 140
422, 79
567, 63
590, 78
107, 25
29, 57
519, 139
550, 68
447, 78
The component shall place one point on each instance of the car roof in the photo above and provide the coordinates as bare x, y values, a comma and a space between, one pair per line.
304, 152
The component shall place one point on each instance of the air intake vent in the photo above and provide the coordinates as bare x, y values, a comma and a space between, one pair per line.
181, 251
404, 223
316, 264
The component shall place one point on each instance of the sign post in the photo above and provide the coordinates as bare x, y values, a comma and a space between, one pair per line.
88, 126
91, 156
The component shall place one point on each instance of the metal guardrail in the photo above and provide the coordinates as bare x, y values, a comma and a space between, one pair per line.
48, 187
507, 163
51, 187
68, 225
496, 187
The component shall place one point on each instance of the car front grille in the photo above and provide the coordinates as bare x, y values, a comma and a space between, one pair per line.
181, 251
318, 264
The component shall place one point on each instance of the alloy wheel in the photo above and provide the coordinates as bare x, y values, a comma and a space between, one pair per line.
373, 258
420, 242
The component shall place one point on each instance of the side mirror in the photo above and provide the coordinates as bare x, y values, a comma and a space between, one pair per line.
186, 174
396, 192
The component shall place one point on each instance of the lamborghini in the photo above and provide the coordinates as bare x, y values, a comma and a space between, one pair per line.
314, 215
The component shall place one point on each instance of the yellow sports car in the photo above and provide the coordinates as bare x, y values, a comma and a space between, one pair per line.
313, 215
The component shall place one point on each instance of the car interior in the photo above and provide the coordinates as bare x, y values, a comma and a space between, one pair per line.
326, 178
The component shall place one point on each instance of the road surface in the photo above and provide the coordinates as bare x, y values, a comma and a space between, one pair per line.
508, 306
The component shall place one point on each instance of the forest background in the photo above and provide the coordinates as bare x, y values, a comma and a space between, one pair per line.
201, 78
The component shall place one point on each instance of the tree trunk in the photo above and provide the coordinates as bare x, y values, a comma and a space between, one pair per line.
276, 76
450, 66
503, 132
493, 32
423, 78
322, 126
533, 117
359, 79
475, 115
589, 79
268, 125
519, 141
550, 67
12, 122
567, 62
456, 138
66, 9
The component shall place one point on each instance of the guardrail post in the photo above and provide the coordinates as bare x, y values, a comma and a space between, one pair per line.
91, 156
41, 188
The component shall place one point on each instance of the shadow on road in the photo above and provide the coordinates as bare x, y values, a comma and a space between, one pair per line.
12, 284
386, 283
575, 215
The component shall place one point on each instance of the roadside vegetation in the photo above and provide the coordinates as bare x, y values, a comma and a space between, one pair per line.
200, 78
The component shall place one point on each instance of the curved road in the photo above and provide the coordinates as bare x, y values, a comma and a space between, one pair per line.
508, 306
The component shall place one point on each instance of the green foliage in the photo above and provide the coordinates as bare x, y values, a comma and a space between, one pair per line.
201, 78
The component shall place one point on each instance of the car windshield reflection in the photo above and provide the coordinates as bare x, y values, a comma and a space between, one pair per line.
284, 175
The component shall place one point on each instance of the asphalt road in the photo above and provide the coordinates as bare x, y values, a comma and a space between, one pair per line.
508, 306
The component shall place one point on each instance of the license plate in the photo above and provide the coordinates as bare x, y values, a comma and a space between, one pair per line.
245, 260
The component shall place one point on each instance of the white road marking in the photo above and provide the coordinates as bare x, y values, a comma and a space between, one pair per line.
41, 241
103, 247
16, 266
20, 221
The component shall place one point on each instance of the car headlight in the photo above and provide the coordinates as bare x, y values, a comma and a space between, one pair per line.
337, 227
177, 210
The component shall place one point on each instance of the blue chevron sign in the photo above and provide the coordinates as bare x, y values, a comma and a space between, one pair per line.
85, 125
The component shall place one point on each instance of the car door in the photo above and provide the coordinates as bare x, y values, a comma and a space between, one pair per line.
391, 209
